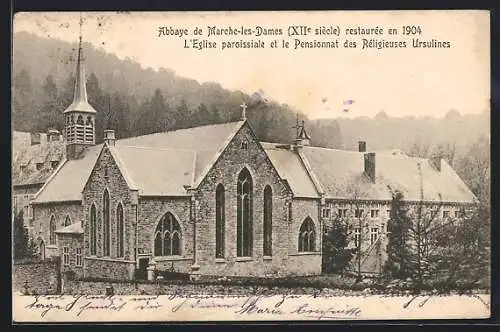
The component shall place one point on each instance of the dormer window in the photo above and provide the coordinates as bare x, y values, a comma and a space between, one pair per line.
39, 166
244, 145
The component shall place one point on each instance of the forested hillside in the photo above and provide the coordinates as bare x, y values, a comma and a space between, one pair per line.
134, 100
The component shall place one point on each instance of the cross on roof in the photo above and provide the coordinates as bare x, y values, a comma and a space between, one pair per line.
243, 110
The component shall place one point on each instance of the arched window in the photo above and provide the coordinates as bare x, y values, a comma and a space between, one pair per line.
167, 237
52, 230
93, 230
219, 221
79, 120
106, 226
244, 214
307, 236
89, 121
268, 220
67, 221
119, 231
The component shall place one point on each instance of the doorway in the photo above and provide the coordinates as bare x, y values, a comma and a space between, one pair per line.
142, 272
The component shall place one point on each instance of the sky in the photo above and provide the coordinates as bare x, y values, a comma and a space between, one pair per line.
322, 83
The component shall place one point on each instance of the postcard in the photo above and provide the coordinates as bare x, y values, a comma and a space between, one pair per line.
235, 166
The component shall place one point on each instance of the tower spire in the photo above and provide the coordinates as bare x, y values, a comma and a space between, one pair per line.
80, 115
80, 101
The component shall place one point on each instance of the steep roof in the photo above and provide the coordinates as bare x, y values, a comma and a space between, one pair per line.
27, 155
290, 168
155, 164
341, 174
67, 183
157, 172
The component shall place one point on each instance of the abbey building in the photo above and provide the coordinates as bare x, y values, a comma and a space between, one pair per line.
214, 200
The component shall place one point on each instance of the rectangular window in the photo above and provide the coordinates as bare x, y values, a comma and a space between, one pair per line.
458, 213
446, 214
39, 166
22, 168
325, 212
357, 236
54, 163
358, 213
373, 235
388, 213
78, 256
66, 256
374, 213
342, 213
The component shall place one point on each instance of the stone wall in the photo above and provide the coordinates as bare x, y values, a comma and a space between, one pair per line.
303, 264
41, 277
226, 171
151, 210
42, 214
107, 176
114, 269
72, 242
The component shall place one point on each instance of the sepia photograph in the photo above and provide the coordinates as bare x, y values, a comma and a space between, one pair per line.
199, 166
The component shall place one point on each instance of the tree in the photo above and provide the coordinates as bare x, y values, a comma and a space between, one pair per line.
23, 246
397, 264
336, 252
23, 101
424, 247
50, 113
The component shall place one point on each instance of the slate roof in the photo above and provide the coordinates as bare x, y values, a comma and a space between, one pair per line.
157, 172
162, 164
156, 164
75, 228
341, 175
290, 167
23, 153
67, 183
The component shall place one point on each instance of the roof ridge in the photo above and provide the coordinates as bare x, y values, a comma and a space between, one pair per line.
159, 149
180, 129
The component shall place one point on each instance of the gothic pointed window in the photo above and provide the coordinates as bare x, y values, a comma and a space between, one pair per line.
52, 231
244, 214
93, 230
167, 237
268, 220
307, 236
106, 224
219, 221
67, 221
119, 231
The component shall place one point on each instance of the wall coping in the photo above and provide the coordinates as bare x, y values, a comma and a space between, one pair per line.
315, 253
107, 259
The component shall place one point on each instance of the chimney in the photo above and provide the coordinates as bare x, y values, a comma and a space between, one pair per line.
436, 162
35, 138
370, 165
362, 146
53, 135
109, 137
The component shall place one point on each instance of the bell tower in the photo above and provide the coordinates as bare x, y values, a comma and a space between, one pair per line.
79, 117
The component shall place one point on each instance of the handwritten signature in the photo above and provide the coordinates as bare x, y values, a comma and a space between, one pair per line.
250, 305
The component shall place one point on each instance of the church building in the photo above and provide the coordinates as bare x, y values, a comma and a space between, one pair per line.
213, 200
